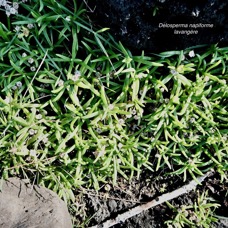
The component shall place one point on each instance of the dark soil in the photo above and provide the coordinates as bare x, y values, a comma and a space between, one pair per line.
111, 201
136, 23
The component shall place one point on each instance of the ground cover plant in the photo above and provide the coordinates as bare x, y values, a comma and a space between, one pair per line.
78, 109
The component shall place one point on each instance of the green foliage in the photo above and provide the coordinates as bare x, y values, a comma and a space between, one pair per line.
77, 108
198, 215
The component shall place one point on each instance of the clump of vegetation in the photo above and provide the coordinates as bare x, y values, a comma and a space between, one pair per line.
77, 108
198, 215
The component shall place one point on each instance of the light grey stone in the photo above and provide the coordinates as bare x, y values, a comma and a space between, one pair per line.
23, 205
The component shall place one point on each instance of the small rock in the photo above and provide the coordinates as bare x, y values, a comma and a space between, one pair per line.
112, 205
27, 206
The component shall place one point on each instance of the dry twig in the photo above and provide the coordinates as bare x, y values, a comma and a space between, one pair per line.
165, 197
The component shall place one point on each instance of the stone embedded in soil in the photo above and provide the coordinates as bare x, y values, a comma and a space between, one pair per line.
24, 205
112, 205
136, 23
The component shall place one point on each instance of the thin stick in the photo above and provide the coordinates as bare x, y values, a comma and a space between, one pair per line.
89, 7
165, 197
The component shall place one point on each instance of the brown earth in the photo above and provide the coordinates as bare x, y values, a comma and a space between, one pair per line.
111, 201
